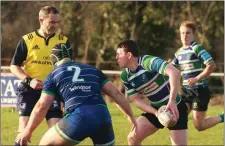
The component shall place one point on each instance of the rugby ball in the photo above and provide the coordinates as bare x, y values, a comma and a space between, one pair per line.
166, 118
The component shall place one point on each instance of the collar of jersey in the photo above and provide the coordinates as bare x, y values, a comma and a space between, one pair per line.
193, 43
47, 38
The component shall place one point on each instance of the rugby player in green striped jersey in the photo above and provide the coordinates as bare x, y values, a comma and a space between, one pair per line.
157, 80
196, 65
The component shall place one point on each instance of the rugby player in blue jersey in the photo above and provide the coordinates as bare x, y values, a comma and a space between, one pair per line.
157, 80
196, 64
80, 87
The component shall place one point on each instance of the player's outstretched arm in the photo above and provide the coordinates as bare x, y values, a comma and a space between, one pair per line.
142, 105
174, 79
120, 100
207, 71
37, 115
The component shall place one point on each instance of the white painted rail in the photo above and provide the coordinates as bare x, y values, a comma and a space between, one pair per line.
113, 72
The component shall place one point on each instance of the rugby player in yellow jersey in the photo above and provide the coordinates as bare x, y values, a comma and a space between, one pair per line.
33, 53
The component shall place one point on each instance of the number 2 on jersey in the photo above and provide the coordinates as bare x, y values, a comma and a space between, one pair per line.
76, 73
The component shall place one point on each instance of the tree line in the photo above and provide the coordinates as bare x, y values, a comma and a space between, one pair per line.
95, 28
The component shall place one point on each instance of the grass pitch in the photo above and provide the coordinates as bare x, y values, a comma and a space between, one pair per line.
213, 136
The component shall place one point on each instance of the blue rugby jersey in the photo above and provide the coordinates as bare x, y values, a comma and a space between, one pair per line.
149, 80
76, 84
192, 61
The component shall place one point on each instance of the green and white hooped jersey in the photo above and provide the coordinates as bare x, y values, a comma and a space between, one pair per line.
192, 61
149, 80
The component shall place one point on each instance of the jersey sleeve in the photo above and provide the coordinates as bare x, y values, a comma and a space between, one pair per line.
49, 86
175, 60
202, 54
152, 63
130, 90
103, 79
20, 54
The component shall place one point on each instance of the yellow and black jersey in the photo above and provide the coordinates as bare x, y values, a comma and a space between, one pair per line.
33, 52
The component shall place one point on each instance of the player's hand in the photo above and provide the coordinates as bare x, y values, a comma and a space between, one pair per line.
36, 84
173, 107
192, 81
23, 138
156, 114
133, 121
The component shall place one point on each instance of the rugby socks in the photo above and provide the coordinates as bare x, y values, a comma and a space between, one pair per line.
222, 117
16, 144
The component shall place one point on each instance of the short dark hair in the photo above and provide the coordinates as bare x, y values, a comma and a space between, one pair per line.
47, 10
189, 24
130, 46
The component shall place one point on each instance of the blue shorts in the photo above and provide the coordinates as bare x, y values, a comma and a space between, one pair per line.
28, 97
93, 121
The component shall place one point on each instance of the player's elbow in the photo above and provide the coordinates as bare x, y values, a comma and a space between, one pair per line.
12, 68
173, 72
213, 66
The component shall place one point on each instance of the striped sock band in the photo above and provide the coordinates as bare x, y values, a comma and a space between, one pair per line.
222, 117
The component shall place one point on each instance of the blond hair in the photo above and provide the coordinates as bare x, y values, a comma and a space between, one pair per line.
189, 24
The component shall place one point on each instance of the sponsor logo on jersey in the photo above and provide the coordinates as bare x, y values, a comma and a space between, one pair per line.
41, 62
132, 84
36, 47
54, 104
23, 105
187, 66
144, 78
81, 87
195, 105
188, 57
151, 87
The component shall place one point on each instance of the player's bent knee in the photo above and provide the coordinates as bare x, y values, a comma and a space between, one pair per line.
199, 127
132, 139
52, 121
51, 137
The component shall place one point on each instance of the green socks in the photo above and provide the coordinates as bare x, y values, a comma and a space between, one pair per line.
222, 117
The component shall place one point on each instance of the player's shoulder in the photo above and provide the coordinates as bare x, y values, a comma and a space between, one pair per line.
196, 46
29, 36
87, 67
60, 36
124, 74
124, 71
146, 59
178, 51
